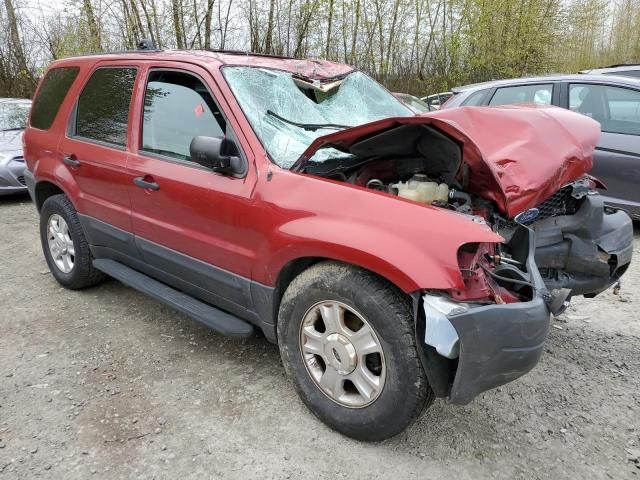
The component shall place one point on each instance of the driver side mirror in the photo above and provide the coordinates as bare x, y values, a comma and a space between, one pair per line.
219, 154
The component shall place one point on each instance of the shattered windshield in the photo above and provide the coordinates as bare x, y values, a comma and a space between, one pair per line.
289, 113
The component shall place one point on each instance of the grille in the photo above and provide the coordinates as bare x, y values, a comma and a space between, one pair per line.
560, 203
21, 180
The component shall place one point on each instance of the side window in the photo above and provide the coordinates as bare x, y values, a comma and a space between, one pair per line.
523, 94
576, 95
433, 101
475, 99
616, 108
178, 107
54, 88
103, 106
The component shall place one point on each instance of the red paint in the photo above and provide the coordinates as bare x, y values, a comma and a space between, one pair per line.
255, 225
518, 156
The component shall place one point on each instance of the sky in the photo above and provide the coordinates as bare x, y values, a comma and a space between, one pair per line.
42, 5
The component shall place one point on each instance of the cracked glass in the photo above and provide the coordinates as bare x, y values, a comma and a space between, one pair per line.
274, 101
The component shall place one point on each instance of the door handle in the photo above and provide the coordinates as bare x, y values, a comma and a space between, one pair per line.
146, 182
71, 160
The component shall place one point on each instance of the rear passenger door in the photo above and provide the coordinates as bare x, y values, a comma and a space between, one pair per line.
94, 151
617, 157
193, 227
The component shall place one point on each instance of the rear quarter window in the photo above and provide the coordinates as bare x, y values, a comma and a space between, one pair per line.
53, 90
103, 106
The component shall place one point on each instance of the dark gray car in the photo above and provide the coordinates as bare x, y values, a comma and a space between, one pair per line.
13, 120
612, 101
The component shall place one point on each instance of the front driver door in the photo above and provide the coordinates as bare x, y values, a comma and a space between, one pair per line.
193, 227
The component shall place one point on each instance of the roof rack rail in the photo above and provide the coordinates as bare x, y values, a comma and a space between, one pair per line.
112, 52
244, 52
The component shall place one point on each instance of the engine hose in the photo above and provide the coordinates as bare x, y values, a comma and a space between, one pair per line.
457, 195
375, 184
506, 279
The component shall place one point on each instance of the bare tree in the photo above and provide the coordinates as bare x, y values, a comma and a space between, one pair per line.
176, 10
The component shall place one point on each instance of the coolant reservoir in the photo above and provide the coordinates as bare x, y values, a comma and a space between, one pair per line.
417, 180
427, 190
420, 189
442, 193
408, 191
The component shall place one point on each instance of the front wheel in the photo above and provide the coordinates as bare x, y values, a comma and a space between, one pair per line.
346, 340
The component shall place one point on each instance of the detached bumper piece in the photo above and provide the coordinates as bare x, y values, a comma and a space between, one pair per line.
585, 252
498, 343
494, 344
470, 348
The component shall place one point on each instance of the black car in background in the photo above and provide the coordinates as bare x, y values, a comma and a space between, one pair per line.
611, 100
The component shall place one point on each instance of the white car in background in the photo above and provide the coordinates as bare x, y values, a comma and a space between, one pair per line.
13, 121
436, 100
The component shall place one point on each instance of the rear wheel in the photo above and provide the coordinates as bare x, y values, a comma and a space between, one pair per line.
65, 246
346, 340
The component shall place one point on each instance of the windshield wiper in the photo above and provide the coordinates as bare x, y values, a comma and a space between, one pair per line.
11, 129
308, 126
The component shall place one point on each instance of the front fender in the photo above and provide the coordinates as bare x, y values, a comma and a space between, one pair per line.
413, 246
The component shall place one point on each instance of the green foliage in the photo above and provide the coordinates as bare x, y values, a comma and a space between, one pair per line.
416, 46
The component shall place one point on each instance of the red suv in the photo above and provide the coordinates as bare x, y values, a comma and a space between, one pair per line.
393, 257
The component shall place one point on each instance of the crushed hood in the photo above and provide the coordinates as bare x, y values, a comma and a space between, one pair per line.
517, 156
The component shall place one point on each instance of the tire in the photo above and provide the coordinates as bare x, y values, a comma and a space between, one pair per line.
82, 274
366, 300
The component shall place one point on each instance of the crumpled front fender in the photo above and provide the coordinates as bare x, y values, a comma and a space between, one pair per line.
413, 246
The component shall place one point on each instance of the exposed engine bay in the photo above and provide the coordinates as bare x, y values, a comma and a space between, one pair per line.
577, 249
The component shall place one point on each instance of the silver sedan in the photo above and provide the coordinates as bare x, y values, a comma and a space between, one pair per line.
13, 120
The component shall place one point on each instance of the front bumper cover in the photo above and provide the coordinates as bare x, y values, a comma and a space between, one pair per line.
11, 177
498, 343
495, 344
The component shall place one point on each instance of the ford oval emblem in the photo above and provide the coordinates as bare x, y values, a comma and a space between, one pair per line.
528, 216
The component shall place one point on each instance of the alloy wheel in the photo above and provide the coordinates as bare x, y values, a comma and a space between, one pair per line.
60, 243
342, 354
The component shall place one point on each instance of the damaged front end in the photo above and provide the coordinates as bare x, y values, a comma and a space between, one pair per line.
519, 171
559, 239
581, 244
534, 173
492, 331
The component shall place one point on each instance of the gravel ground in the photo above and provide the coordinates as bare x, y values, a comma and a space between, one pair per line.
107, 383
